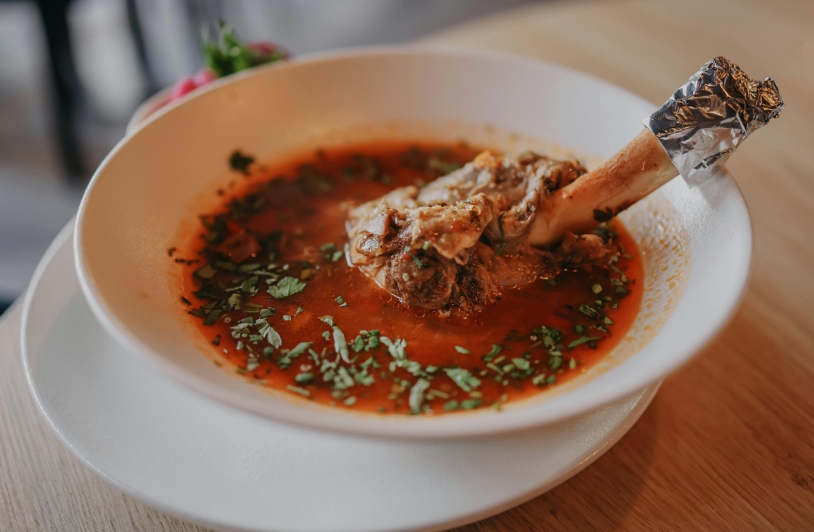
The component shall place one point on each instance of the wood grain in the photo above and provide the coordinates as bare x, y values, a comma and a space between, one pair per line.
728, 443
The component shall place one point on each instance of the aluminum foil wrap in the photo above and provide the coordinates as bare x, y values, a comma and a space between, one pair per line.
709, 116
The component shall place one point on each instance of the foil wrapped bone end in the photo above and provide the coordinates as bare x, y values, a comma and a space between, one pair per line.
710, 115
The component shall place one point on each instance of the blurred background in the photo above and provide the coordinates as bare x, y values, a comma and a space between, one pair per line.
73, 71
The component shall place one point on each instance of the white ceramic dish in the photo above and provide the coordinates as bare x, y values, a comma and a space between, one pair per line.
208, 464
697, 243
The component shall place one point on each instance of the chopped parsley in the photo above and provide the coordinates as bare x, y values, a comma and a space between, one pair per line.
285, 287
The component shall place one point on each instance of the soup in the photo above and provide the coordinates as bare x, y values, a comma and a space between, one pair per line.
270, 285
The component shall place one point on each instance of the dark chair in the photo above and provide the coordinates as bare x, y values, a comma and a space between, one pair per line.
67, 93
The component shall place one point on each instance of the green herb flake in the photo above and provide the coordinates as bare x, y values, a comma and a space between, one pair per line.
449, 406
496, 349
304, 378
297, 389
299, 349
206, 272
521, 363
462, 350
285, 287
350, 401
234, 301
271, 336
416, 260
596, 288
212, 317
465, 380
589, 311
582, 340
572, 364
405, 276
416, 400
471, 404
340, 344
426, 245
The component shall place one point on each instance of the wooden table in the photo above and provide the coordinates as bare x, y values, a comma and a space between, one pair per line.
728, 443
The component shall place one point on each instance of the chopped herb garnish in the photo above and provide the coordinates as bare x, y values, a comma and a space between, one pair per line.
582, 340
417, 395
416, 260
589, 311
304, 378
496, 349
271, 336
462, 350
340, 345
301, 391
471, 404
465, 380
287, 286
207, 272
212, 317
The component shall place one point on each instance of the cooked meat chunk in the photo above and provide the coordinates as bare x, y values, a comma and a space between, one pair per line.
451, 245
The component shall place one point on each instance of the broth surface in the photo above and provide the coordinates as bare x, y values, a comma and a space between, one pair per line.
268, 284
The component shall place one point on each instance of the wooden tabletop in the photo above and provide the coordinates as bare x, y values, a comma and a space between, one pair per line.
728, 443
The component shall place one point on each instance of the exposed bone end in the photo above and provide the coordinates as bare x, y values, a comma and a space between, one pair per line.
634, 172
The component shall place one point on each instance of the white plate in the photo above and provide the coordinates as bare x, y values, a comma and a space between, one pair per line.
211, 465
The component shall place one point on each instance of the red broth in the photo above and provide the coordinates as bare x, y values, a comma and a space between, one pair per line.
532, 338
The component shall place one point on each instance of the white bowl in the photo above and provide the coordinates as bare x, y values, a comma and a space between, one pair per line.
696, 242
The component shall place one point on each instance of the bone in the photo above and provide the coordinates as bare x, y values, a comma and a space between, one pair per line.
634, 172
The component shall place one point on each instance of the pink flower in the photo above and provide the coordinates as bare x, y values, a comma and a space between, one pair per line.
204, 76
182, 87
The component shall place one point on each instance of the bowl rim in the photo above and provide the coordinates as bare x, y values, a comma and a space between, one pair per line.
359, 426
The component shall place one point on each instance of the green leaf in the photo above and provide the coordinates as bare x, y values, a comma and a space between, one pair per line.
417, 395
287, 286
271, 336
496, 349
582, 340
340, 344
206, 272
462, 350
465, 380
299, 349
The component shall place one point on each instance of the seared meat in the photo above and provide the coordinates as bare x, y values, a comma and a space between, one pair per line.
451, 245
